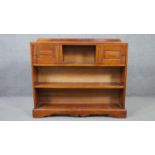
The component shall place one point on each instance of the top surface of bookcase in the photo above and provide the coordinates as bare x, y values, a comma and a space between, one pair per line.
76, 40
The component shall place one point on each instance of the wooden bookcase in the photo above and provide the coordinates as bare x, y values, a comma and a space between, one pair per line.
79, 77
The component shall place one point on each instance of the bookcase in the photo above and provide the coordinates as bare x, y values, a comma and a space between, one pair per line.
79, 77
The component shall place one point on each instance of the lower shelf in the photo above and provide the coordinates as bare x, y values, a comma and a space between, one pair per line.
114, 110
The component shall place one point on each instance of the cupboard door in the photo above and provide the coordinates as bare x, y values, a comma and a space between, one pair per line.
46, 53
111, 54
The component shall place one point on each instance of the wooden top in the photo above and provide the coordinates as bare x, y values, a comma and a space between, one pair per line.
77, 40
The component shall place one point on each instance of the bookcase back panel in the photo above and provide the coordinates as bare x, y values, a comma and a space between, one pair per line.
79, 74
79, 96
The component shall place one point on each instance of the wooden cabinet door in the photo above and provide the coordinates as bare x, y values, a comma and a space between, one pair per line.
46, 53
111, 54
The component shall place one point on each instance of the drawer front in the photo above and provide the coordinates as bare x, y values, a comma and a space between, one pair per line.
46, 53
110, 54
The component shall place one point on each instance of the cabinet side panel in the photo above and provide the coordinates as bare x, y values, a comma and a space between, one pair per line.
34, 76
124, 76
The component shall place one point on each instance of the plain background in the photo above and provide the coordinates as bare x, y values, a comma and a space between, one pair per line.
15, 69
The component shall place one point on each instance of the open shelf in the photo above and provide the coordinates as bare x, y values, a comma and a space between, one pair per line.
81, 96
108, 76
79, 102
79, 54
112, 85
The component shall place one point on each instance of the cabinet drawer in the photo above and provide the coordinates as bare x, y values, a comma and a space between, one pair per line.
111, 54
46, 53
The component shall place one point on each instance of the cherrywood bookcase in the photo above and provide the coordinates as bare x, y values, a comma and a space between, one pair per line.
79, 77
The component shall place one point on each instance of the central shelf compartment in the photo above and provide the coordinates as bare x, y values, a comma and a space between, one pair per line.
79, 74
79, 77
79, 54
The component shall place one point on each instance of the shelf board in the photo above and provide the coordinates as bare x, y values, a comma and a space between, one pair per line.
80, 106
74, 65
112, 85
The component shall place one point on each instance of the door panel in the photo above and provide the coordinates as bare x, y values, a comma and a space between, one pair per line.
111, 54
46, 53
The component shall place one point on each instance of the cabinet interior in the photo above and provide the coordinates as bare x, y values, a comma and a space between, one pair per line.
72, 75
79, 54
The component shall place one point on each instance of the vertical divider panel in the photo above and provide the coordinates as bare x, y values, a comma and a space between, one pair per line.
60, 55
98, 54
